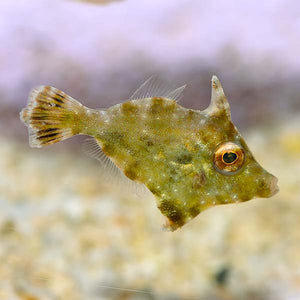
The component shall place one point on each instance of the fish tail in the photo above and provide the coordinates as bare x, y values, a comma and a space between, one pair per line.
52, 116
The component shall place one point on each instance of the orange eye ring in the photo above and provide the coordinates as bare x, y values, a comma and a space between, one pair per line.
228, 158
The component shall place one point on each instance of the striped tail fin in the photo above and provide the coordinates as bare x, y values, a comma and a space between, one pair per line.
52, 116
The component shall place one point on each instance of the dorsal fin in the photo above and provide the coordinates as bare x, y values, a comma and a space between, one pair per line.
219, 104
154, 87
93, 149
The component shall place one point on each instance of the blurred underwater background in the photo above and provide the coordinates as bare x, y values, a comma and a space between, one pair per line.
67, 231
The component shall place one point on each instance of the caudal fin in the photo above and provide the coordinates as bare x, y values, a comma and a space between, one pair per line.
51, 116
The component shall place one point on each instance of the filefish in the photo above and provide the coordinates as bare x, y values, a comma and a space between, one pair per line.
190, 160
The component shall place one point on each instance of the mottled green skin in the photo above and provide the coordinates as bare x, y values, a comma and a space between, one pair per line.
157, 142
170, 149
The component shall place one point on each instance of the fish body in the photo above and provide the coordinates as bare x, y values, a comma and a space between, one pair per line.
189, 159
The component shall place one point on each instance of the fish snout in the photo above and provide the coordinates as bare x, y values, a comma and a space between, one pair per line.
267, 186
273, 186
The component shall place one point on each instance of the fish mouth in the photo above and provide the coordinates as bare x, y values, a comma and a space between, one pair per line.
268, 187
274, 189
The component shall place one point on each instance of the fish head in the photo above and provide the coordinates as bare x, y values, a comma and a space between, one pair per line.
235, 175
238, 176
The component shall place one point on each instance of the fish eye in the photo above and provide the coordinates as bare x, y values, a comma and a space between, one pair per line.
228, 158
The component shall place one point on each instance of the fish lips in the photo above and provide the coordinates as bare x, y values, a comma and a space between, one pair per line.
274, 189
270, 187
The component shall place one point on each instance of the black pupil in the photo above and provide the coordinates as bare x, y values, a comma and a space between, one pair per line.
229, 157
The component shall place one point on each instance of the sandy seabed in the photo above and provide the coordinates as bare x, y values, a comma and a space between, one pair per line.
68, 232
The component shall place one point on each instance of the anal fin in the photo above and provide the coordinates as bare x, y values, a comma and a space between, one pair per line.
92, 148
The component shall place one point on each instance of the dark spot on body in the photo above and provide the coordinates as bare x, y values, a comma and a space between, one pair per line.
108, 149
161, 105
149, 143
199, 180
156, 105
170, 107
157, 101
130, 174
205, 138
262, 184
184, 158
191, 115
129, 108
173, 212
194, 211
131, 171
154, 190
173, 172
116, 136
147, 140
262, 188
114, 139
